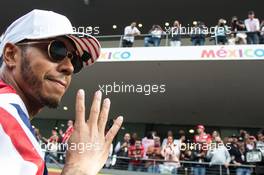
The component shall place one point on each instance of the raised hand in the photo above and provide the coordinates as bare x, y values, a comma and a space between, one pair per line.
88, 146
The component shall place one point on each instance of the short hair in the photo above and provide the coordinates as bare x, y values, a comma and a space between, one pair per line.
251, 13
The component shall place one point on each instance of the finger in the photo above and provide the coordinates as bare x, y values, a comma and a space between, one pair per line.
103, 116
113, 131
80, 108
95, 110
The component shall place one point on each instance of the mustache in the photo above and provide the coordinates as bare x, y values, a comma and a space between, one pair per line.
58, 77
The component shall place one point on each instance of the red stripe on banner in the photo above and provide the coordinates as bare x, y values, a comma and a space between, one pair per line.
20, 140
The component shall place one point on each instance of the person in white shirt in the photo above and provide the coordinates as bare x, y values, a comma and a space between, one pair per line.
176, 34
129, 35
253, 27
171, 154
155, 36
221, 32
218, 155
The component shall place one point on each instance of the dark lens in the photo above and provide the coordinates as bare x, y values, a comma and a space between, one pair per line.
57, 50
77, 63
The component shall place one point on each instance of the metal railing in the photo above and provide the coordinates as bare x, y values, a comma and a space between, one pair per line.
156, 166
116, 40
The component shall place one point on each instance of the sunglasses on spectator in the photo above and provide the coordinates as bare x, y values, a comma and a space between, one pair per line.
57, 51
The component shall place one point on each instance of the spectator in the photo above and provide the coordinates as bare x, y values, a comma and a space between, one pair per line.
38, 135
253, 27
68, 132
238, 30
199, 153
171, 154
201, 136
221, 31
176, 34
214, 135
218, 155
121, 150
251, 143
52, 145
146, 142
155, 36
129, 35
238, 156
180, 142
135, 153
197, 33
261, 39
133, 139
54, 137
260, 147
165, 140
61, 156
260, 141
154, 152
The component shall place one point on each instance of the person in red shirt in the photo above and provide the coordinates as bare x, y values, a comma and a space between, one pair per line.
202, 137
202, 142
68, 132
135, 152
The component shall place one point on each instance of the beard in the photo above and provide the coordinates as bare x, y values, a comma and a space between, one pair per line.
35, 84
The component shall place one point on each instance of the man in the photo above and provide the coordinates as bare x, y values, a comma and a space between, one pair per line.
218, 155
121, 150
135, 153
171, 154
253, 27
202, 140
129, 35
201, 136
39, 53
154, 152
260, 147
238, 156
68, 132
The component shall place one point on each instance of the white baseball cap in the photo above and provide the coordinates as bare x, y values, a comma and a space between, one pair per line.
42, 24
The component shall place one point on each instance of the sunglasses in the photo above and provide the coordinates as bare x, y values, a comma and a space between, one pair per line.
57, 51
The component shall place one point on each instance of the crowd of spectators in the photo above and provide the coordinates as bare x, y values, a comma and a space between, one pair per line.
248, 31
198, 153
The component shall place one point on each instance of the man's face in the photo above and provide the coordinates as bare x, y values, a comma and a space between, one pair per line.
251, 16
70, 123
127, 137
133, 24
42, 79
138, 143
199, 130
170, 140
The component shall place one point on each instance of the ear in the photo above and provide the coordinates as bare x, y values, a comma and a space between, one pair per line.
11, 55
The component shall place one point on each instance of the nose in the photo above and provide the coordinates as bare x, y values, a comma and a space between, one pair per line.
66, 67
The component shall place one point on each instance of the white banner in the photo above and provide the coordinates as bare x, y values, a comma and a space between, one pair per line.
229, 52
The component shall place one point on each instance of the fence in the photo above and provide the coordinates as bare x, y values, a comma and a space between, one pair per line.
157, 166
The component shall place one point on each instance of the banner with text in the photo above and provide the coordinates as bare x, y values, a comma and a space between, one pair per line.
229, 52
